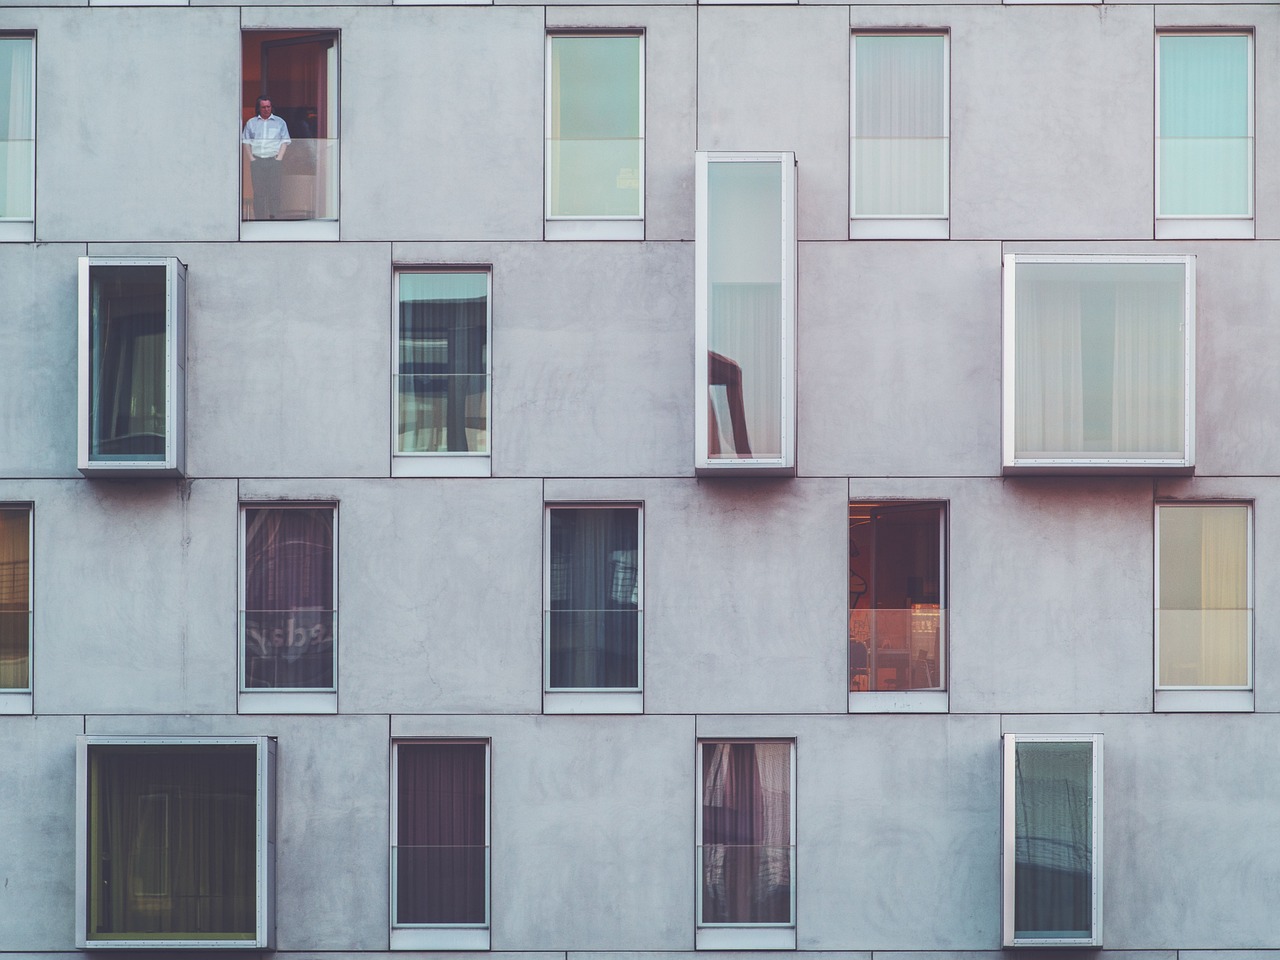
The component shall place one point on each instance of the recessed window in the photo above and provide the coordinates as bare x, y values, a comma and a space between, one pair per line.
746, 302
897, 606
594, 603
1052, 840
132, 366
441, 383
440, 846
595, 136
174, 842
17, 137
289, 613
1204, 606
15, 608
1099, 363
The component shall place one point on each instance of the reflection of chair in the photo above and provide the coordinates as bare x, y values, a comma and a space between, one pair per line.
859, 666
723, 372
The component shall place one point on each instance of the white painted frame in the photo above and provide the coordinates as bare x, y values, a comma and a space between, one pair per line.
14, 700
23, 229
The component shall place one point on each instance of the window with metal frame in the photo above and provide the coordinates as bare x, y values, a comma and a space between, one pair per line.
16, 534
17, 137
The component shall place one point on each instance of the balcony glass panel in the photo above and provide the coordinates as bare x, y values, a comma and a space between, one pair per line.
289, 649
302, 186
441, 884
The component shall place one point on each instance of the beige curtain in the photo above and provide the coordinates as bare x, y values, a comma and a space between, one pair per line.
15, 599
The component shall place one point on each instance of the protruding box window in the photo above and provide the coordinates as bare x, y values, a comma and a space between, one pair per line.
15, 608
1204, 606
289, 612
132, 417
595, 136
594, 596
1052, 841
175, 843
746, 845
746, 313
17, 137
440, 389
1099, 368
897, 607
440, 845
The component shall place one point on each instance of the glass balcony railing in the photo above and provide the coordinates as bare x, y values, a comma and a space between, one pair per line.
439, 885
1205, 176
900, 176
594, 178
15, 650
593, 649
302, 186
289, 649
1205, 648
442, 413
746, 884
896, 649
17, 179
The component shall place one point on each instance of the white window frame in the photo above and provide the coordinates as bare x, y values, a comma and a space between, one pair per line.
1013, 464
899, 226
787, 253
1180, 226
13, 700
613, 700
259, 700
1008, 837
175, 369
23, 229
450, 936
1205, 699
452, 463
265, 845
590, 227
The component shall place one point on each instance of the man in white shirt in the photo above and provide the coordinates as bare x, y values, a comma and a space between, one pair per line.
265, 139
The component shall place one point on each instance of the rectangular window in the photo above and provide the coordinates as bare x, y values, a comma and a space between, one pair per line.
746, 845
440, 846
901, 136
441, 384
17, 137
1204, 130
1099, 363
132, 366
1204, 606
595, 136
897, 606
174, 842
594, 598
15, 608
746, 313
289, 608
1052, 840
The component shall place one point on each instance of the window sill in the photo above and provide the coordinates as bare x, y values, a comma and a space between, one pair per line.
441, 465
17, 231
594, 230
1207, 228
15, 703
892, 228
1204, 701
1098, 467
895, 701
288, 230
745, 938
281, 701
440, 938
599, 701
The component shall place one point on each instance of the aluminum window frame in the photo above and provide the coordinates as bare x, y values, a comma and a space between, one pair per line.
22, 229
18, 700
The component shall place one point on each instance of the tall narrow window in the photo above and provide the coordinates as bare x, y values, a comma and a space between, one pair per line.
745, 344
595, 136
1098, 364
17, 137
897, 606
1204, 606
1052, 840
132, 365
594, 598
15, 608
441, 383
900, 135
440, 846
290, 612
746, 846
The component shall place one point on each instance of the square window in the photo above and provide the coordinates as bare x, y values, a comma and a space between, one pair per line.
1099, 364
595, 136
594, 603
132, 411
1204, 606
17, 137
745, 340
441, 384
1052, 840
897, 606
289, 612
15, 608
746, 845
175, 842
440, 846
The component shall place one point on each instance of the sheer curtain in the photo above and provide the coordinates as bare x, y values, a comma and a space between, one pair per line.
15, 599
17, 127
1049, 364
1147, 397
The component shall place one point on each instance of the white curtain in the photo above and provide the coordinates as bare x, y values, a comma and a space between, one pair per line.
17, 127
1147, 408
1049, 394
746, 329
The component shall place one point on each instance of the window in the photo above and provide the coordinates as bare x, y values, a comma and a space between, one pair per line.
1051, 832
174, 842
441, 383
440, 846
746, 313
900, 135
289, 134
897, 606
1204, 606
594, 602
746, 846
595, 136
289, 608
15, 608
1204, 129
17, 138
132, 417
1099, 363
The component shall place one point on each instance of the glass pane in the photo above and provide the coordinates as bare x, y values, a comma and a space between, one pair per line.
1053, 847
744, 331
173, 842
127, 362
15, 599
17, 128
301, 185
